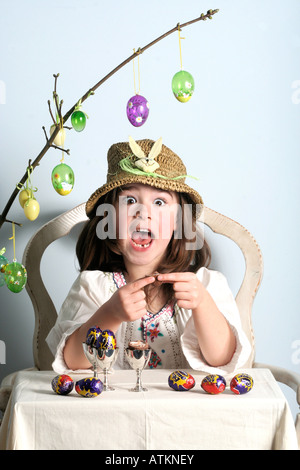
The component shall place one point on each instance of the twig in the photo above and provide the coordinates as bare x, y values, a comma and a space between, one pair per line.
91, 91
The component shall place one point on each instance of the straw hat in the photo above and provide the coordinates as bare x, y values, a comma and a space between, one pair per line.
146, 162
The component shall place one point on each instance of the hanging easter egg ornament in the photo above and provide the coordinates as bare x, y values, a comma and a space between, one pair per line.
60, 137
24, 195
137, 108
78, 118
31, 208
15, 276
183, 86
63, 179
3, 262
27, 200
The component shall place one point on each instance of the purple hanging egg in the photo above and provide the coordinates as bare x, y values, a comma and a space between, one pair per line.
137, 110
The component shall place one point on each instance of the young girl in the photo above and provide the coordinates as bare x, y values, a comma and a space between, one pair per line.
137, 229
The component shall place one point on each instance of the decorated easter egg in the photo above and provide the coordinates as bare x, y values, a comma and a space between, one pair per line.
89, 387
137, 110
181, 381
62, 384
78, 120
63, 179
3, 262
92, 335
183, 86
106, 340
15, 276
31, 209
241, 383
60, 137
213, 384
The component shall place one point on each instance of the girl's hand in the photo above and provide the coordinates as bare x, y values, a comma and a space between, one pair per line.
188, 290
128, 303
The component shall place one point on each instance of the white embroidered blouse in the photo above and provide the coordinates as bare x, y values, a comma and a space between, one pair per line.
170, 332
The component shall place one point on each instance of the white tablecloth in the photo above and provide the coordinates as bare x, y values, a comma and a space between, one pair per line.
37, 418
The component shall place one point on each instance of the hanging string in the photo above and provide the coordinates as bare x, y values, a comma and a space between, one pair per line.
137, 93
28, 184
14, 241
180, 45
62, 137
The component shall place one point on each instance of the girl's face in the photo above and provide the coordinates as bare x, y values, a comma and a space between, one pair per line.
145, 223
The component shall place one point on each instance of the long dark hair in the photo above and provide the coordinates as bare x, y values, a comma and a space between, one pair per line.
94, 253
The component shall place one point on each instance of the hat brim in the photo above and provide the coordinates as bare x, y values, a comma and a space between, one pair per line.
166, 185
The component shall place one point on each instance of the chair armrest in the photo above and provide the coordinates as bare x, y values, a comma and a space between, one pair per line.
285, 376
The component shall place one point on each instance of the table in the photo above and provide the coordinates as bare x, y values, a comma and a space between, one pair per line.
37, 418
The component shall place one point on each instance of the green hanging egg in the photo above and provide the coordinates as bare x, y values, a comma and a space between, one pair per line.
63, 179
3, 262
78, 120
15, 276
183, 86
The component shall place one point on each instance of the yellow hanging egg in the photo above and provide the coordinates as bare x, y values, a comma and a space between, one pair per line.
31, 209
24, 195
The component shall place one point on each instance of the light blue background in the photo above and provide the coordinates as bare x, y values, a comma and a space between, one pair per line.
239, 134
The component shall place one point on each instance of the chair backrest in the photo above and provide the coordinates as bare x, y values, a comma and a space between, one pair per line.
45, 311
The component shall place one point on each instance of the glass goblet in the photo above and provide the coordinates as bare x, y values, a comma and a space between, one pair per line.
138, 360
105, 359
89, 354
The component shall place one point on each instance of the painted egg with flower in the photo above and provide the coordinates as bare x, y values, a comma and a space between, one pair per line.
106, 340
15, 276
181, 381
62, 384
213, 384
183, 86
92, 336
89, 387
63, 179
241, 383
137, 110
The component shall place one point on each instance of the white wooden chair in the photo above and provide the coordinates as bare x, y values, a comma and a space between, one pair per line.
46, 314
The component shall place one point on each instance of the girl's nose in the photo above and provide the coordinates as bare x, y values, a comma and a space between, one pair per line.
142, 212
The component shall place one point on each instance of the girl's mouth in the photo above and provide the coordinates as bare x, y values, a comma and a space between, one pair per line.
141, 238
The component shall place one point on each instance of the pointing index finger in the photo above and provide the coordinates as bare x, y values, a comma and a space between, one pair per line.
140, 283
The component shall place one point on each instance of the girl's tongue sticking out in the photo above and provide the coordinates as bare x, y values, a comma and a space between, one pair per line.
141, 237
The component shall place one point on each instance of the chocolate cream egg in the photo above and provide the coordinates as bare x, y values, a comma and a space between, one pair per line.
181, 381
62, 384
89, 387
106, 340
92, 336
213, 384
241, 384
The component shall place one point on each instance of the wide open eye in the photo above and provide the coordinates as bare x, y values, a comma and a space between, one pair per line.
130, 200
159, 202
